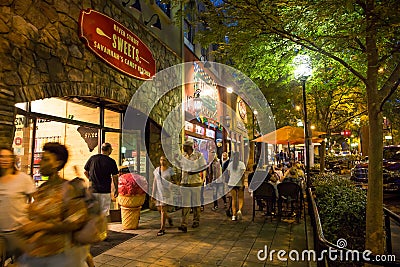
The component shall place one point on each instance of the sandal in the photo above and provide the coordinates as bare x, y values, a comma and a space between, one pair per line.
161, 232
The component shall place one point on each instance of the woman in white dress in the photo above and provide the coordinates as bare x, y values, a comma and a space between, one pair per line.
161, 191
236, 170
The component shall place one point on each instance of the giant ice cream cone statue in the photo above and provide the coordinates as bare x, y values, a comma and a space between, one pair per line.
131, 196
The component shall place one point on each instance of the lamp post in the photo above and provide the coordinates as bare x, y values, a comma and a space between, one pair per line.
302, 72
255, 112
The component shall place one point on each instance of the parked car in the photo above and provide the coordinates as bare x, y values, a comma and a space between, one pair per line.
391, 170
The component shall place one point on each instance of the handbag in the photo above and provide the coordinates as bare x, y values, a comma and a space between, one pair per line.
94, 230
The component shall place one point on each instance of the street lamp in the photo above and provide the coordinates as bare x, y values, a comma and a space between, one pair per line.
255, 112
302, 72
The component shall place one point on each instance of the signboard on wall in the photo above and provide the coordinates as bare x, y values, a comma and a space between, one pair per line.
210, 133
116, 45
90, 136
189, 126
200, 130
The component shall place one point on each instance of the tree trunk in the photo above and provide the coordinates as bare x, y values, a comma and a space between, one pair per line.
374, 224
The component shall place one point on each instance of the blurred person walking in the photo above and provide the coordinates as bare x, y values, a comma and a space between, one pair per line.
16, 189
57, 211
218, 185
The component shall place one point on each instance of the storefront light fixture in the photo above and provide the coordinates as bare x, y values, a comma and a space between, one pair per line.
156, 24
229, 90
198, 105
76, 99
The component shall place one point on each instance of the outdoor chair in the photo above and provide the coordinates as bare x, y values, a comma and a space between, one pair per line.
265, 192
290, 200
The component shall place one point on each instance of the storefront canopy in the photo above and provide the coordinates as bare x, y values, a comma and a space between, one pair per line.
286, 134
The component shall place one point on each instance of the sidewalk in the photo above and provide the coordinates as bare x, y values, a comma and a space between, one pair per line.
218, 241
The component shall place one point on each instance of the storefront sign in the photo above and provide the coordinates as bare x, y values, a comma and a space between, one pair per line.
189, 126
200, 130
210, 133
90, 136
19, 121
116, 45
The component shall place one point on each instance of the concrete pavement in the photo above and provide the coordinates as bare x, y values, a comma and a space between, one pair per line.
218, 241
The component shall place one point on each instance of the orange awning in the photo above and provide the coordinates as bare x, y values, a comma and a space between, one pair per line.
286, 134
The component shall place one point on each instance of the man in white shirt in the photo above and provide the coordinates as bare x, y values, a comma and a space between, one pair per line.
192, 164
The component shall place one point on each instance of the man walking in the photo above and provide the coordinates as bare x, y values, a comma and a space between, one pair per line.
192, 164
100, 169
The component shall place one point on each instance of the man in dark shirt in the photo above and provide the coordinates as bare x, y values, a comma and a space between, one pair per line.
99, 169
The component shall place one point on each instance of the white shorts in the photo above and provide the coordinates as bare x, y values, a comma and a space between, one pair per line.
104, 202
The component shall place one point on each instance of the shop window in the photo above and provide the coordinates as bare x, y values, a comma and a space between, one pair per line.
82, 141
114, 139
134, 152
23, 106
165, 7
50, 106
188, 31
112, 119
22, 143
65, 109
80, 112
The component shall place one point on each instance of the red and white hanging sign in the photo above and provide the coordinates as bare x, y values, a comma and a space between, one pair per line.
116, 45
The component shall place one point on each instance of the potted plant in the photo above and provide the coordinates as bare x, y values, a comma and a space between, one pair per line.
131, 196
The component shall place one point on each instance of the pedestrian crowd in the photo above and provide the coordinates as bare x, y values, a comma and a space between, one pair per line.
39, 226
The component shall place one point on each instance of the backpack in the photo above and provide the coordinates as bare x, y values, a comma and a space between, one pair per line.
95, 229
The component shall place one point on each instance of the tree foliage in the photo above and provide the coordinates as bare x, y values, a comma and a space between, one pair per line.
355, 49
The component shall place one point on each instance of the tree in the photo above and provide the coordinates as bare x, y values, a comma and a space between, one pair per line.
362, 36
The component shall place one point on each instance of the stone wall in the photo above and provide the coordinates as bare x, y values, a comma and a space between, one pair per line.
42, 56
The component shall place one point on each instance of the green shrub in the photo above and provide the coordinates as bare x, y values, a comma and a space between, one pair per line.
342, 209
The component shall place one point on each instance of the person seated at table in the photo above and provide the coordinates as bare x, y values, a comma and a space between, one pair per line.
292, 176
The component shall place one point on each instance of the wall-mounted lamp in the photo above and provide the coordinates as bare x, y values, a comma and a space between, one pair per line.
226, 121
135, 5
156, 24
197, 104
76, 99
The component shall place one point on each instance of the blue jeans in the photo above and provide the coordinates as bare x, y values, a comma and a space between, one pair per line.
218, 192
